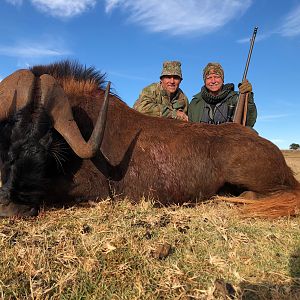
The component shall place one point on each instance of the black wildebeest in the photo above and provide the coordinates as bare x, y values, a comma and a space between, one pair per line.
167, 160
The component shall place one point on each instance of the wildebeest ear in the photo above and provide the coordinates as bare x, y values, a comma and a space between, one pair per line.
16, 92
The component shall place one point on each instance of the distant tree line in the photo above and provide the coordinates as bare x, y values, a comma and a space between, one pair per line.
294, 146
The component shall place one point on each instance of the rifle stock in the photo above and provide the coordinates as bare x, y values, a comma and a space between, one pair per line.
239, 110
240, 114
245, 109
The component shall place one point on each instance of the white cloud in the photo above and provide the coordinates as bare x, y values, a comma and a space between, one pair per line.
174, 17
273, 117
59, 8
258, 38
290, 26
111, 4
32, 50
64, 8
291, 23
181, 16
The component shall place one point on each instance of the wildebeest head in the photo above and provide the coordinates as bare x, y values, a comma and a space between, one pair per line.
24, 88
30, 159
35, 115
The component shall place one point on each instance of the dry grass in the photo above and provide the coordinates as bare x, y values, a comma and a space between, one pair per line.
125, 251
292, 158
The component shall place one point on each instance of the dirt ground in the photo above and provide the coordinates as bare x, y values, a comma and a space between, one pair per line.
292, 158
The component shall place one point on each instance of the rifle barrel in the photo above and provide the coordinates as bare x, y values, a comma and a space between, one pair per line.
249, 53
242, 102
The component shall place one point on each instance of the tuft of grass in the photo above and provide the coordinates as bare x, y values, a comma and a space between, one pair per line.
125, 251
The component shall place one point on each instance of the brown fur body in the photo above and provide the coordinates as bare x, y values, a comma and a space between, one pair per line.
171, 161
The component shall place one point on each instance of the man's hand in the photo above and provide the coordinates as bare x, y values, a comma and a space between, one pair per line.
245, 87
181, 115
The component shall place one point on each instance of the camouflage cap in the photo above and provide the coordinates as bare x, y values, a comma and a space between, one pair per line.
215, 67
171, 68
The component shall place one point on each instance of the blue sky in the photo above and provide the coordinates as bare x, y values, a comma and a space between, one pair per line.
129, 40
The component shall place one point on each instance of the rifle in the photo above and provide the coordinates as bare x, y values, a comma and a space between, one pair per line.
240, 113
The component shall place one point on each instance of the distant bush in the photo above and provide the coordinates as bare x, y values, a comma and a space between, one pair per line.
294, 146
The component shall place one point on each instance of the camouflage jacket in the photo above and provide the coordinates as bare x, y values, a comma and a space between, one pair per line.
155, 101
217, 110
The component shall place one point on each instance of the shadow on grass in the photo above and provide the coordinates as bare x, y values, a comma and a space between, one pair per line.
265, 290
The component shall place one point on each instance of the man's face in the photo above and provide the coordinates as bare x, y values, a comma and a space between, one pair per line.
213, 82
170, 83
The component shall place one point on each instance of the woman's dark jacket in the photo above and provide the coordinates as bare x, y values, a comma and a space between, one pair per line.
207, 108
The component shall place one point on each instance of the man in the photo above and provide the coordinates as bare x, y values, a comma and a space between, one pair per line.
165, 98
216, 102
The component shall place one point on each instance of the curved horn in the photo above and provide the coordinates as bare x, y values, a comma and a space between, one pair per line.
16, 92
57, 105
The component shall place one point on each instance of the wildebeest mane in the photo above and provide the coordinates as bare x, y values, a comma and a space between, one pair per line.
68, 72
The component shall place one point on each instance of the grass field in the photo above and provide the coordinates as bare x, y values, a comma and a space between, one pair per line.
123, 251
293, 160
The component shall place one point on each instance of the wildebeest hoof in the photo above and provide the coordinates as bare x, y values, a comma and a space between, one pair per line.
18, 210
